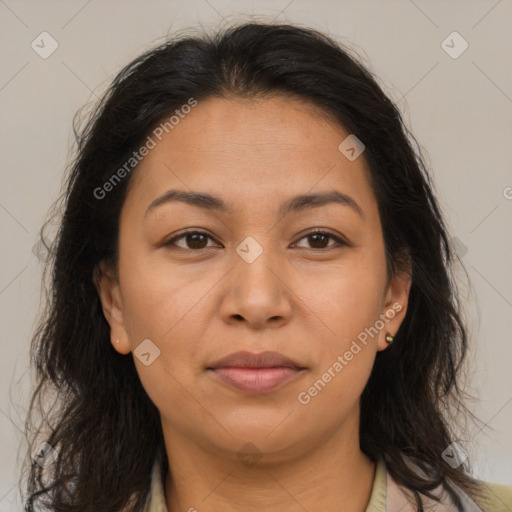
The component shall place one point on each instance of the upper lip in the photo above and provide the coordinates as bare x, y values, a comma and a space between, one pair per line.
249, 360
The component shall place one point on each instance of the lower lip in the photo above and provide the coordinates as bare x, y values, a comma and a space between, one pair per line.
256, 380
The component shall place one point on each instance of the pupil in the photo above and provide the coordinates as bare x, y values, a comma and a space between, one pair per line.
195, 241
315, 237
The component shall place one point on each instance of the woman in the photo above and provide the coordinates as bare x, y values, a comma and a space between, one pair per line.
252, 302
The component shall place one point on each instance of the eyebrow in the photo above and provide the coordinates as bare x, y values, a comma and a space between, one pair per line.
295, 204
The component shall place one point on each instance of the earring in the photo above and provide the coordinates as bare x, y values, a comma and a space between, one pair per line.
389, 338
117, 341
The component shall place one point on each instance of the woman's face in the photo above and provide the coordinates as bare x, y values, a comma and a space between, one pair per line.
254, 279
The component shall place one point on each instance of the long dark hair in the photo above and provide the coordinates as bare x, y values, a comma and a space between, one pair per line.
104, 429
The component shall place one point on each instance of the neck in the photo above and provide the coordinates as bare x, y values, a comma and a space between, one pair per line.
333, 476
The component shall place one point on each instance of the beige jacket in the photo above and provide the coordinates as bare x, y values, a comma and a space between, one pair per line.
386, 496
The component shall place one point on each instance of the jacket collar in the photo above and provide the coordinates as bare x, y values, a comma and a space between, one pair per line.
386, 496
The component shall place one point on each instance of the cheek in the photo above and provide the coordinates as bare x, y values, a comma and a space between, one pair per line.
346, 346
348, 306
158, 299
334, 394
165, 310
347, 297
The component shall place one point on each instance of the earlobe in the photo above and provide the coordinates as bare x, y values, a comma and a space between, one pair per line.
395, 309
109, 293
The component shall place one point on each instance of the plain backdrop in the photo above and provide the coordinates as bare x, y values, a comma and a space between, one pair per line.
458, 105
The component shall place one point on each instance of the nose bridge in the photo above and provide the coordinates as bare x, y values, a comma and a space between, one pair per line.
255, 266
256, 290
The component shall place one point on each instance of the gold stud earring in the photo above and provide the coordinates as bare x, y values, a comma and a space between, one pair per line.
389, 338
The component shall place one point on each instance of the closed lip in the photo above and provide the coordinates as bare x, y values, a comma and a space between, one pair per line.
246, 359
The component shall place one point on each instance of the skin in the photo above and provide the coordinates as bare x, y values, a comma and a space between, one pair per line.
306, 298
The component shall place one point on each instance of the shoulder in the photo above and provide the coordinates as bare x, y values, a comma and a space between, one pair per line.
494, 497
489, 497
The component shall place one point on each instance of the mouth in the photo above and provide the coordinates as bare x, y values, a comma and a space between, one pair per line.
255, 373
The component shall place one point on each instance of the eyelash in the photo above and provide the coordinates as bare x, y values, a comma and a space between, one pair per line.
337, 239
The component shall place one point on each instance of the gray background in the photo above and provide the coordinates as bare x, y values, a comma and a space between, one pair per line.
458, 108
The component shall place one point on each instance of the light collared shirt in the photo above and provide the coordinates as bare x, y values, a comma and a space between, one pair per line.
387, 496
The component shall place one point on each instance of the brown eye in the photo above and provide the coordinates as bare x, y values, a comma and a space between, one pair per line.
320, 240
198, 240
193, 240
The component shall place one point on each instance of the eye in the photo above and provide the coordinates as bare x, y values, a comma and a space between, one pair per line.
319, 238
193, 240
197, 240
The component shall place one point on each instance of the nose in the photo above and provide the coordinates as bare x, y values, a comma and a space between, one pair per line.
257, 293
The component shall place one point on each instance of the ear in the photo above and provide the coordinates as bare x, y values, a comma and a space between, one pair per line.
395, 305
107, 285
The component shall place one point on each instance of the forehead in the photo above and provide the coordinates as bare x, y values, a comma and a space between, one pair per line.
251, 147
